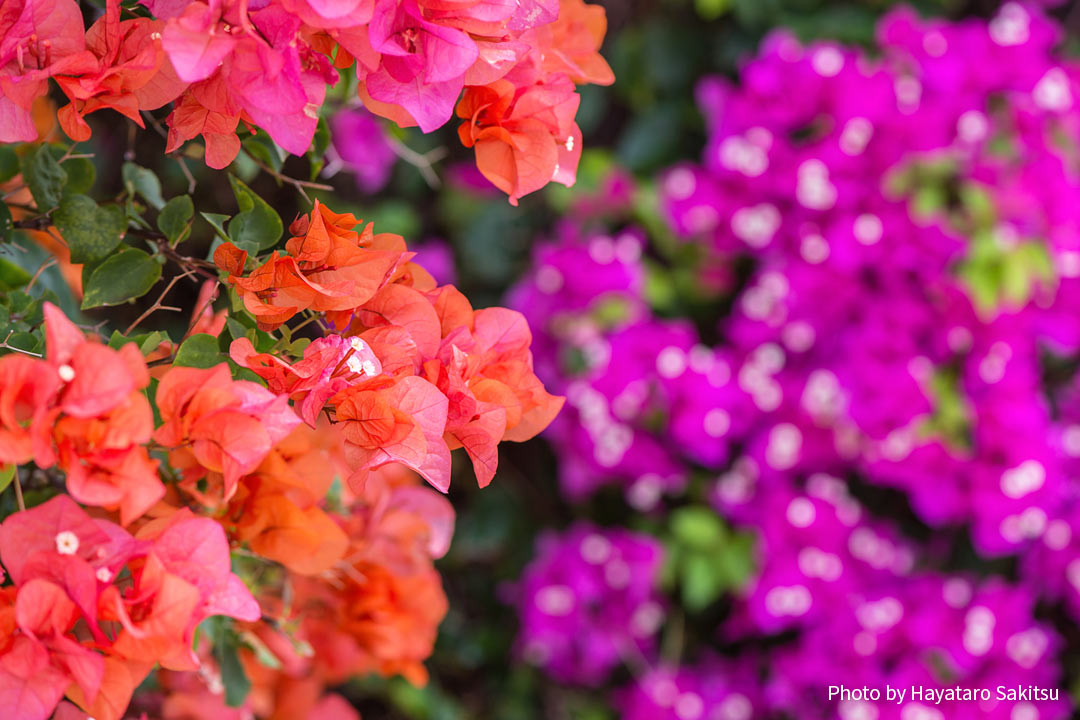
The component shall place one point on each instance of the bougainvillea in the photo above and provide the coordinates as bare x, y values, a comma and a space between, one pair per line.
884, 245
238, 512
226, 66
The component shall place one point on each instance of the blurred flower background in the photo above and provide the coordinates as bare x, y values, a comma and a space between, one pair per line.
814, 304
815, 307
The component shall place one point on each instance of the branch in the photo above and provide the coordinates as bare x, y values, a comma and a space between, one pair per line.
157, 303
298, 184
4, 345
44, 266
18, 492
424, 162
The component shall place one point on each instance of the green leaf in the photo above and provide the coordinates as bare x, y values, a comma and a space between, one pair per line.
7, 474
217, 221
263, 148
736, 562
9, 163
12, 276
257, 226
144, 182
91, 231
698, 527
126, 275
200, 351
233, 677
225, 641
151, 341
44, 177
146, 341
27, 342
175, 218
702, 583
321, 141
81, 174
711, 9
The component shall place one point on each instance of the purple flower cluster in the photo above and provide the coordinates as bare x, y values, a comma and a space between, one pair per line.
588, 600
916, 236
714, 690
911, 225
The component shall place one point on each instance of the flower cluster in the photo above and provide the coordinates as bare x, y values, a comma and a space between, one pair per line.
587, 600
897, 236
92, 608
416, 371
268, 65
272, 530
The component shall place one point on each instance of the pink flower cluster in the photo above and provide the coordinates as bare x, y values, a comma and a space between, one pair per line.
91, 608
268, 63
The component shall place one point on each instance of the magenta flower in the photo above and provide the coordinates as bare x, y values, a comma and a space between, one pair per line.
420, 65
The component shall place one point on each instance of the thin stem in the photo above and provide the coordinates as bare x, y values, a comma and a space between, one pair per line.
187, 174
424, 162
199, 310
18, 492
44, 266
296, 183
15, 349
157, 303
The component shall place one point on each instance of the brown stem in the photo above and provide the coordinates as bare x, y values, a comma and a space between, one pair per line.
296, 183
157, 303
18, 492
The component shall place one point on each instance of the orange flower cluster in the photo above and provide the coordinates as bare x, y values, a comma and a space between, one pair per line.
307, 484
330, 268
415, 371
522, 125
375, 609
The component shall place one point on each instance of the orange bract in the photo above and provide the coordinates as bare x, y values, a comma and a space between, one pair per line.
524, 139
331, 269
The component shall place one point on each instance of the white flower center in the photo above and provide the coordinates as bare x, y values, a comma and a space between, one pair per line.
67, 543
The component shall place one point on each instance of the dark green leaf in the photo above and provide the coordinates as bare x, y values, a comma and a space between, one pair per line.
44, 177
219, 630
128, 274
91, 231
30, 257
144, 182
257, 226
175, 217
9, 163
233, 677
199, 350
